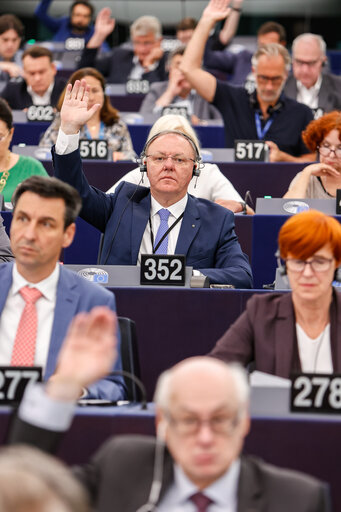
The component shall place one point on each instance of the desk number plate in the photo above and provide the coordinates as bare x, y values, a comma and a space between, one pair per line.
137, 86
317, 393
161, 269
250, 151
13, 381
40, 113
94, 149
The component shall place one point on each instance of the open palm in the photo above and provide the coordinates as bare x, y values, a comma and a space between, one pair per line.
217, 9
74, 112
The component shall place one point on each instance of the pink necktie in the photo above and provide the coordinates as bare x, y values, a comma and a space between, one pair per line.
201, 501
25, 339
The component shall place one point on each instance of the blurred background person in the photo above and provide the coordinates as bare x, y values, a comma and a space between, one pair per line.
184, 29
39, 85
309, 84
297, 331
5, 245
105, 124
211, 184
320, 180
32, 481
14, 168
177, 91
11, 35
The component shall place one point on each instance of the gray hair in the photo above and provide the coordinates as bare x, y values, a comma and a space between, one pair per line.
308, 36
144, 25
272, 50
234, 370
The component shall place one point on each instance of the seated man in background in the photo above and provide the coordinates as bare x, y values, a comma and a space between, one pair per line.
195, 463
135, 220
178, 92
11, 35
298, 331
5, 247
77, 25
211, 185
308, 84
265, 114
145, 61
38, 296
39, 85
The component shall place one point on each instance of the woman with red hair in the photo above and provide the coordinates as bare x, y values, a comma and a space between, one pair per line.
322, 179
301, 330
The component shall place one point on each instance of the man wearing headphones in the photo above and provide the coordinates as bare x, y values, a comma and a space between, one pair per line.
163, 219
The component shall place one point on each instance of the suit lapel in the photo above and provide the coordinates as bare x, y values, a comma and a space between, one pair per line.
6, 282
250, 495
323, 95
189, 227
335, 331
285, 337
140, 216
66, 307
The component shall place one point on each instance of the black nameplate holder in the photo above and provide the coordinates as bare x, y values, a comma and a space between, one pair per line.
338, 201
250, 151
175, 110
40, 113
137, 86
13, 382
74, 43
93, 149
316, 393
163, 269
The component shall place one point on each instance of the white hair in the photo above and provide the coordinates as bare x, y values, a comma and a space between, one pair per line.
173, 122
144, 25
308, 36
272, 50
164, 383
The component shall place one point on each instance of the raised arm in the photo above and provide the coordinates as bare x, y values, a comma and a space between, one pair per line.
104, 26
74, 112
230, 26
202, 81
52, 24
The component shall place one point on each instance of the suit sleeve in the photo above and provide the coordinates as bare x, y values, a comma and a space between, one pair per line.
89, 59
52, 24
5, 248
148, 103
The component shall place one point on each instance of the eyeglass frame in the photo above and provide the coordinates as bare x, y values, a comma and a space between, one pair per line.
311, 263
275, 80
309, 63
172, 157
330, 149
230, 426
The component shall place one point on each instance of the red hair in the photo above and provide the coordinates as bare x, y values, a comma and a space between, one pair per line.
305, 233
318, 129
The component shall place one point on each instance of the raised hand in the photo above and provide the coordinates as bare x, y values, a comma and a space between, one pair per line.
87, 355
217, 10
104, 23
74, 112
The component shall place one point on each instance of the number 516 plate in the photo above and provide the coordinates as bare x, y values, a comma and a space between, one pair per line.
163, 269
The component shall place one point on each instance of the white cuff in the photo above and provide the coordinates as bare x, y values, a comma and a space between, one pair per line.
38, 409
66, 143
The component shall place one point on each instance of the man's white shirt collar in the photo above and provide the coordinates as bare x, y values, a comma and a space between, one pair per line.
48, 286
175, 209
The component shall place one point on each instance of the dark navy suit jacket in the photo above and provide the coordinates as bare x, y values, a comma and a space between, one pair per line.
74, 294
207, 237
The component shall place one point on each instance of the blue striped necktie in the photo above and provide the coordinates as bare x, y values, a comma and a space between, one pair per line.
163, 247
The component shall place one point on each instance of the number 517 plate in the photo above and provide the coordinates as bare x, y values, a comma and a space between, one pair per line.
163, 269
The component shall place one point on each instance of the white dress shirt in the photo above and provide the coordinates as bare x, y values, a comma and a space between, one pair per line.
14, 306
45, 99
138, 70
223, 492
315, 354
309, 97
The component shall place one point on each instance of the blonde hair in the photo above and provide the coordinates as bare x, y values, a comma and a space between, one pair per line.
173, 122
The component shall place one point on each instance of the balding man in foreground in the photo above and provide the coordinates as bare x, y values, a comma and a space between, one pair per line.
202, 418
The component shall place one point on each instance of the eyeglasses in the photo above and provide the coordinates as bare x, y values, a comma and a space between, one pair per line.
3, 137
317, 264
275, 80
189, 425
178, 161
325, 150
308, 63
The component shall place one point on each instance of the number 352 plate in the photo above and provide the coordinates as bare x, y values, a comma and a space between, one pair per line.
163, 269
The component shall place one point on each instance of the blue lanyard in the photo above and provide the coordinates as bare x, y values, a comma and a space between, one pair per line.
261, 132
100, 134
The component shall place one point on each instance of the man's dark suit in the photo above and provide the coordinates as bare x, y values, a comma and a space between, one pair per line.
329, 97
120, 475
117, 66
265, 333
15, 93
206, 237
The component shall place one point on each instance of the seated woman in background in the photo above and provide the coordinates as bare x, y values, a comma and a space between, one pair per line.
297, 331
211, 184
105, 124
13, 168
322, 179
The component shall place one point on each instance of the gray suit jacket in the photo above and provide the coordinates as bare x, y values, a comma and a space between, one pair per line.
201, 108
120, 475
329, 95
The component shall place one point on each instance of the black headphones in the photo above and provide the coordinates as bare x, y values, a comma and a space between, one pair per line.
282, 269
142, 158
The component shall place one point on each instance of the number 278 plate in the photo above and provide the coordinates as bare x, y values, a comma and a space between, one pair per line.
163, 269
